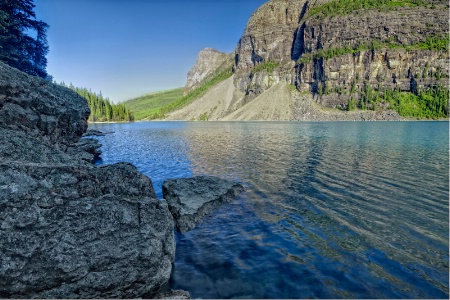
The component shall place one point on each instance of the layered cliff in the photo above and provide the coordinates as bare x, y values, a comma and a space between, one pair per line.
263, 56
386, 49
342, 54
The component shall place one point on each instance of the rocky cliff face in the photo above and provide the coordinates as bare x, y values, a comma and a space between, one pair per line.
209, 63
336, 56
289, 34
385, 66
268, 37
69, 229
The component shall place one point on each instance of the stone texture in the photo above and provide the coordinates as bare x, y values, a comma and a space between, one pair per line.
386, 68
281, 31
73, 232
40, 108
69, 229
210, 62
87, 149
190, 199
268, 36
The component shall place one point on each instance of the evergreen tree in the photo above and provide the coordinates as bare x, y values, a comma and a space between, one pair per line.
17, 48
102, 110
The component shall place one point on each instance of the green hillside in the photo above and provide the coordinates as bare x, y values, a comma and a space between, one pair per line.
149, 104
157, 105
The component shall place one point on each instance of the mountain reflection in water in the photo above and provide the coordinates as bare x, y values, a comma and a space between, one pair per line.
331, 209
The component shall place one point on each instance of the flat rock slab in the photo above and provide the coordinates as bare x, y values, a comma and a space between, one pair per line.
190, 199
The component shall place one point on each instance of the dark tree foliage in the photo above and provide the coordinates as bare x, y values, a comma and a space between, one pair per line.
102, 110
23, 39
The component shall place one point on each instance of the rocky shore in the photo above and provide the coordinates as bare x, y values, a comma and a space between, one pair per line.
69, 229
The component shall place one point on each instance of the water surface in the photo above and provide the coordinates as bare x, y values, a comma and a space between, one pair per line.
331, 209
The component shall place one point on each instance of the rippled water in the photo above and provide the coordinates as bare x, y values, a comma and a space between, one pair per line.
331, 209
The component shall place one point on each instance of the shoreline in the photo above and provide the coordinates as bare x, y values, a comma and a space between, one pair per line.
285, 121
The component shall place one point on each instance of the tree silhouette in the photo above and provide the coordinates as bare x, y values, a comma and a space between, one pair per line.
23, 39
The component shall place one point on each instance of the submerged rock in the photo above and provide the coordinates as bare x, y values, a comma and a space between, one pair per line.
69, 229
94, 132
190, 199
177, 294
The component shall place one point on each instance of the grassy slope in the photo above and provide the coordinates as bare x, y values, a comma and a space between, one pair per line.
149, 104
193, 94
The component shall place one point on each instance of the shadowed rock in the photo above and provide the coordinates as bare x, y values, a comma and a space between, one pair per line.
69, 229
190, 199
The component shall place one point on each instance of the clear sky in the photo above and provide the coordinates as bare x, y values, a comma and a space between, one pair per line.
127, 48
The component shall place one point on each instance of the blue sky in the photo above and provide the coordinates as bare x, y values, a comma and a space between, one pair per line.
126, 48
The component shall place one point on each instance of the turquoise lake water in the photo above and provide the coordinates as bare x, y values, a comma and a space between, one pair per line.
331, 209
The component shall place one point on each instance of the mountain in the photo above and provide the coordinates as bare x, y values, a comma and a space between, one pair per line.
209, 63
330, 59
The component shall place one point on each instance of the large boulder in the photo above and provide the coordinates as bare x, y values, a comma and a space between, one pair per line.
69, 229
190, 199
73, 232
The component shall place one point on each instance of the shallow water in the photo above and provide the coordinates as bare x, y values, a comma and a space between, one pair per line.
331, 209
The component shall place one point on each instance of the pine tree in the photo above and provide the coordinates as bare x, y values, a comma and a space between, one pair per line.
102, 110
17, 48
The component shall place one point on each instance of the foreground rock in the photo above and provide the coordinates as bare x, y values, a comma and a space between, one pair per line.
69, 229
190, 199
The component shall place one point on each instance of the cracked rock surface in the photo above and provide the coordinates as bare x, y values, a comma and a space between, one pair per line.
69, 229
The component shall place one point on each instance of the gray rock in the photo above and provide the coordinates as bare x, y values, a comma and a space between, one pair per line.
69, 229
190, 199
268, 37
55, 114
385, 67
87, 149
282, 31
73, 232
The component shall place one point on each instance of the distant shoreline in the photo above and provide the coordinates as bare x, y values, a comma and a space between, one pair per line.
110, 122
268, 121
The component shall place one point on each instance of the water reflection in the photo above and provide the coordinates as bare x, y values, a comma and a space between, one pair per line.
331, 210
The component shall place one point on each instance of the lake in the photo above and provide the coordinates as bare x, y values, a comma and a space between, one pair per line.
331, 209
